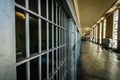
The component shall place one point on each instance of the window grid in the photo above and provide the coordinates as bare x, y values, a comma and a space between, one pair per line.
60, 39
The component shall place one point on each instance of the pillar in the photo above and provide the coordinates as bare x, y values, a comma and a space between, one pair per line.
7, 40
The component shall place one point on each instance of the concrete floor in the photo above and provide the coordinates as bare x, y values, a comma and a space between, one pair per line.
97, 64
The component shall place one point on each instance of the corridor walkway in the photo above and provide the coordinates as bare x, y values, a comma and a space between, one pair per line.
97, 64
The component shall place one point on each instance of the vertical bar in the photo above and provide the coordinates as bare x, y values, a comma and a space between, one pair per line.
65, 69
53, 36
59, 16
62, 19
28, 70
47, 14
39, 25
62, 57
59, 42
57, 75
59, 38
62, 72
27, 40
65, 34
53, 25
56, 36
63, 46
63, 43
27, 32
40, 66
39, 34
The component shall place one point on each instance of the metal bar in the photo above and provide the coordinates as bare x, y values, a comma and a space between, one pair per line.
57, 70
27, 41
57, 35
28, 70
60, 78
47, 14
36, 56
59, 50
39, 38
59, 16
52, 24
62, 44
27, 34
37, 15
40, 68
62, 18
57, 75
52, 36
62, 49
47, 66
39, 27
60, 27
65, 43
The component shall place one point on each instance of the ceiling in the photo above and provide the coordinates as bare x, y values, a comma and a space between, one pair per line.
90, 11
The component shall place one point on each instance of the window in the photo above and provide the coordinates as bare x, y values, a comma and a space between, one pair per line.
115, 28
104, 29
100, 36
96, 33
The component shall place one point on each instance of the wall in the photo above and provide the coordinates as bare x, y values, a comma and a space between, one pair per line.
109, 26
98, 33
7, 40
74, 49
75, 14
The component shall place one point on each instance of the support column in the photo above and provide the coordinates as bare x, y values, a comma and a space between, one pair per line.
7, 40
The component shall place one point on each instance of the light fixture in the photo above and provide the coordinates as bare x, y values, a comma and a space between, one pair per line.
20, 14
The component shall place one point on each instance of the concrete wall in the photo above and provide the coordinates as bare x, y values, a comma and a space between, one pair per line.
72, 9
7, 40
74, 49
